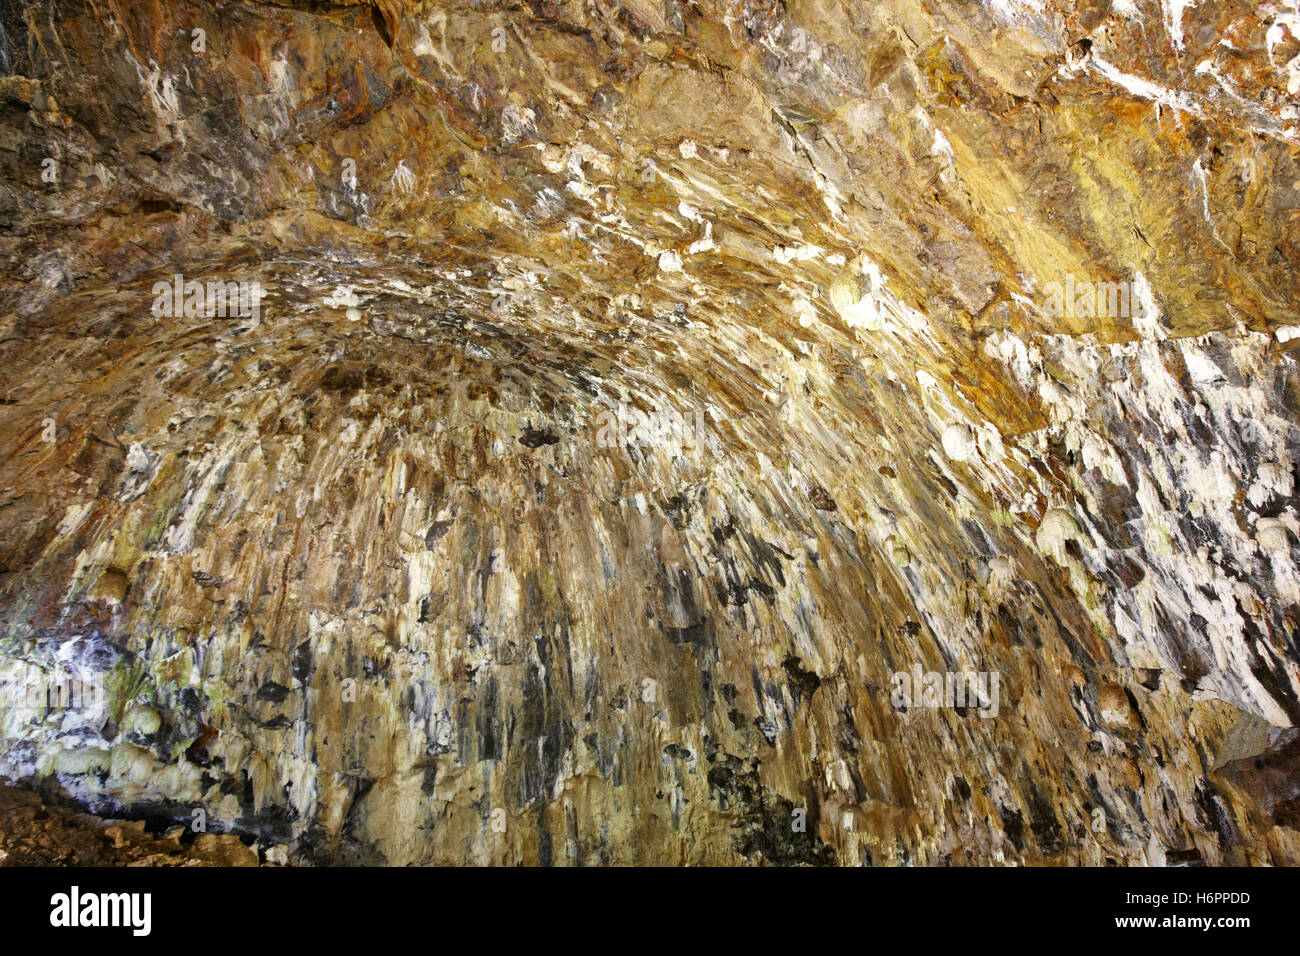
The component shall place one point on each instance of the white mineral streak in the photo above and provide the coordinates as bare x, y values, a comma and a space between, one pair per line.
1183, 472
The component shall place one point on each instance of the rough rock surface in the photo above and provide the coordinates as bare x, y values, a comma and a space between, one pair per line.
33, 833
364, 574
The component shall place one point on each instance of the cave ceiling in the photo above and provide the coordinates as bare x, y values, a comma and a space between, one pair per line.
623, 395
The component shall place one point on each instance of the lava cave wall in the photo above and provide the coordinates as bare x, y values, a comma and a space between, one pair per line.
368, 576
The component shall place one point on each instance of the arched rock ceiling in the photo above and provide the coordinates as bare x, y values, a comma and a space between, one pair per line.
363, 577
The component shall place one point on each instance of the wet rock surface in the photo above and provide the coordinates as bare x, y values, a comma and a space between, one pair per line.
637, 390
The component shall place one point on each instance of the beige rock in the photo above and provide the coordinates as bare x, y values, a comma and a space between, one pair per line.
111, 586
1116, 708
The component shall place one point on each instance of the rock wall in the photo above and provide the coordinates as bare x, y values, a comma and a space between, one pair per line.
625, 395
